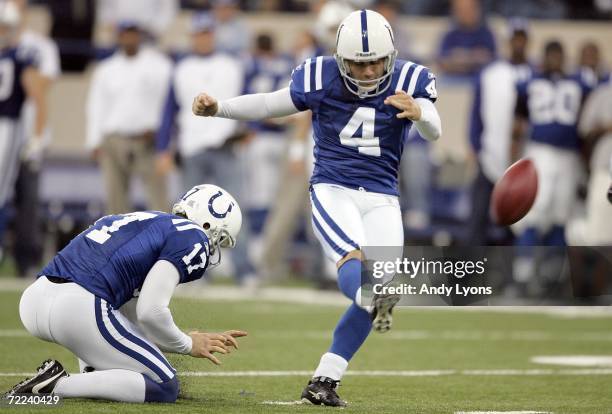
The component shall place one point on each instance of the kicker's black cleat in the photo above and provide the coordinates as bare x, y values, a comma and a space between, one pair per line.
382, 312
322, 390
43, 382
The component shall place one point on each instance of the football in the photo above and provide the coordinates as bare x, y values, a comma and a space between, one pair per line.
514, 193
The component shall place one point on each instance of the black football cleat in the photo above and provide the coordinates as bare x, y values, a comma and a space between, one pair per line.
382, 312
322, 390
43, 382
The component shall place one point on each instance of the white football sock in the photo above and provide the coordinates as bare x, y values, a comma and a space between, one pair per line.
331, 366
113, 384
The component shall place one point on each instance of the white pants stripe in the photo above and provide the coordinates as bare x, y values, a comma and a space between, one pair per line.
355, 220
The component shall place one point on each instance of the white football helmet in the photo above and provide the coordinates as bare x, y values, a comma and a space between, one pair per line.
215, 210
365, 36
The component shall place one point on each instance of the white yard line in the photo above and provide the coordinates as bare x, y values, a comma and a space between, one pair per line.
503, 412
418, 335
575, 360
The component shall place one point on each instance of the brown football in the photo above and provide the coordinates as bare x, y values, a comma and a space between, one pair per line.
514, 193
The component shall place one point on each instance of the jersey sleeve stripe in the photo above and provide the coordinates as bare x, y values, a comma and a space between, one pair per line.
307, 75
319, 73
413, 79
402, 77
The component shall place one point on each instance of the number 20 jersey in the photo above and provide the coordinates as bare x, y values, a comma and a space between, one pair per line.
112, 258
358, 141
552, 104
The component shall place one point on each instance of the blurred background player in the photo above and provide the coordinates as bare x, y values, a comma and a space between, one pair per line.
491, 126
363, 101
550, 104
19, 82
590, 67
469, 44
27, 247
121, 294
594, 228
208, 148
120, 132
266, 71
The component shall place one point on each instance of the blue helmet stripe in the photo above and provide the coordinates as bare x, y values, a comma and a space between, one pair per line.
364, 32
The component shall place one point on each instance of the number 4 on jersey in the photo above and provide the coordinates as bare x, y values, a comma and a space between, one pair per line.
367, 143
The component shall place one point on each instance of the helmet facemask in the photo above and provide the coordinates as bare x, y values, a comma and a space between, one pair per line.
367, 88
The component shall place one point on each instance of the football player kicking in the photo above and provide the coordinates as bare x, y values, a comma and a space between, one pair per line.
363, 101
82, 300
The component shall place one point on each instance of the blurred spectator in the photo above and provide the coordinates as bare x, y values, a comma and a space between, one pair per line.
72, 30
20, 81
415, 182
491, 126
267, 71
595, 228
153, 16
390, 10
533, 9
591, 69
469, 44
551, 102
27, 224
206, 145
291, 200
231, 33
123, 112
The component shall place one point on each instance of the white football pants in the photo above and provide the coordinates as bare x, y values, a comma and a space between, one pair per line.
345, 220
100, 336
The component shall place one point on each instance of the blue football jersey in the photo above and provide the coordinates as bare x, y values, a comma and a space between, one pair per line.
552, 106
358, 142
266, 75
13, 62
112, 258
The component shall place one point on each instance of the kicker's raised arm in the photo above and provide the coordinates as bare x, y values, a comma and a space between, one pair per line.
247, 107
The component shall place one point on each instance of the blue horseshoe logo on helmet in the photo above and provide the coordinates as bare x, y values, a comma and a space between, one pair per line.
212, 209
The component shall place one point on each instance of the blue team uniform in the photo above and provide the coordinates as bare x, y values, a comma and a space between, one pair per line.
266, 75
112, 258
13, 62
552, 105
358, 142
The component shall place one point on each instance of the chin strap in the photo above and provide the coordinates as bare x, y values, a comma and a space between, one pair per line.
218, 240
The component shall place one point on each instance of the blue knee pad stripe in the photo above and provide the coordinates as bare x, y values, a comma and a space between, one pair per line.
328, 239
165, 392
330, 222
138, 341
124, 349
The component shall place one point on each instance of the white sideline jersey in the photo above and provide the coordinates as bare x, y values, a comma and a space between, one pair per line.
221, 76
